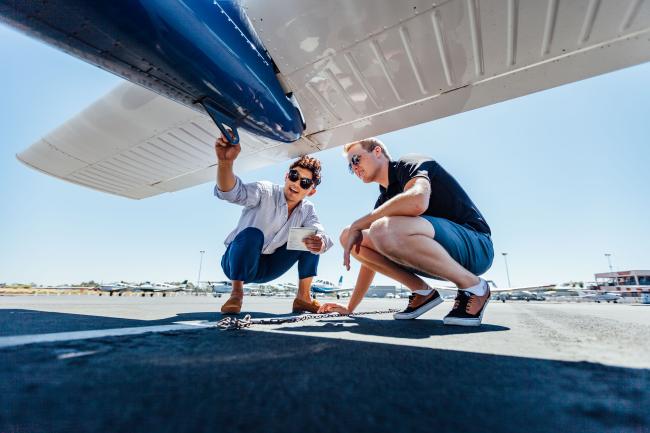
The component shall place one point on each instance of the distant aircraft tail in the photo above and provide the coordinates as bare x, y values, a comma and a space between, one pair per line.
340, 281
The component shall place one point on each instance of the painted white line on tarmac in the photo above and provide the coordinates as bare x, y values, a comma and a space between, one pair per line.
20, 340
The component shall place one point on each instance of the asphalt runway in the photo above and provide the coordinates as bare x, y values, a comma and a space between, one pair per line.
93, 364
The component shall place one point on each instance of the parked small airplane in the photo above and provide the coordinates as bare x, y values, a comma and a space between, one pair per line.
600, 297
220, 287
522, 295
119, 288
501, 293
589, 293
526, 293
271, 289
539, 293
325, 287
263, 289
151, 288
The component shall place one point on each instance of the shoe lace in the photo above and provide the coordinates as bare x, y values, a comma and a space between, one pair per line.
469, 302
460, 297
411, 299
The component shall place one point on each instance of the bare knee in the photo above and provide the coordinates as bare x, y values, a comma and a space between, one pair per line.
344, 235
384, 235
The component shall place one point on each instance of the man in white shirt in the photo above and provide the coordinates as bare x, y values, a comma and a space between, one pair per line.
257, 248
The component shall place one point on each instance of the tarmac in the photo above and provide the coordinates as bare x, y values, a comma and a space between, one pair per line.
130, 364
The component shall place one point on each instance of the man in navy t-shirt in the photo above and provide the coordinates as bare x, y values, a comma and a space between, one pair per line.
423, 224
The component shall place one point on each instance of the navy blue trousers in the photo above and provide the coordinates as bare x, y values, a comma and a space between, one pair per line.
244, 260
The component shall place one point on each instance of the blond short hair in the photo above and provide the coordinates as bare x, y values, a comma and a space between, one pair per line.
368, 144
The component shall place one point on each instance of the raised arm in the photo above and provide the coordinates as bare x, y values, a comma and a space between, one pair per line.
229, 187
226, 155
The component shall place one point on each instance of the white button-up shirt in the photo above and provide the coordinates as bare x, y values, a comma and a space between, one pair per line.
265, 208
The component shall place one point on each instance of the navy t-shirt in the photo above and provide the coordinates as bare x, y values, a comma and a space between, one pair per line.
448, 199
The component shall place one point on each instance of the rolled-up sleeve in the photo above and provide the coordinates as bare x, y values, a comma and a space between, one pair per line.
243, 194
311, 220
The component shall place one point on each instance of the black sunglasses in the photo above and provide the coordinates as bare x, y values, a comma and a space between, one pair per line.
305, 182
354, 161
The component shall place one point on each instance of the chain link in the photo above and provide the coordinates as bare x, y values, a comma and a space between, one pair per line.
233, 323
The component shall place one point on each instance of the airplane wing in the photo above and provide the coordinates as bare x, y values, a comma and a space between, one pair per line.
453, 289
367, 67
450, 290
357, 69
522, 289
136, 143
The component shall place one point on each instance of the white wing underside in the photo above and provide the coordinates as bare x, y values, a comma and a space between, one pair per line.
358, 69
449, 290
523, 289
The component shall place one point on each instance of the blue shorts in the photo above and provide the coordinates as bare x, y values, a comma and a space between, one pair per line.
471, 249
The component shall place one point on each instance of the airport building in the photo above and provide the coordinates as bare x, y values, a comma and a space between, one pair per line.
381, 291
627, 283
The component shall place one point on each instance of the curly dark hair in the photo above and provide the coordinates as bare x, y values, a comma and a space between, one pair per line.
311, 164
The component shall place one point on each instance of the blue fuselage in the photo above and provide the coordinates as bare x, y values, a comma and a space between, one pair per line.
202, 53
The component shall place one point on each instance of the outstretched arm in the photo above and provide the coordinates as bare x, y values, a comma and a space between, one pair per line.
364, 279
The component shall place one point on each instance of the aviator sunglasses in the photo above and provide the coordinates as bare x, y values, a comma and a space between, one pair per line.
354, 161
305, 182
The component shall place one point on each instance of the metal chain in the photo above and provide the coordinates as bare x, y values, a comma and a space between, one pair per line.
233, 323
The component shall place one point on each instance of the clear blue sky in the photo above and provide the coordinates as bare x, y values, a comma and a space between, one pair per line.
561, 176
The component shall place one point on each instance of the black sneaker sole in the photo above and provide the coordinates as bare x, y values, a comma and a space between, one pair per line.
418, 312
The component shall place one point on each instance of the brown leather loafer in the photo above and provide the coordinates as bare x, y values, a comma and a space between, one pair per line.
300, 306
232, 306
